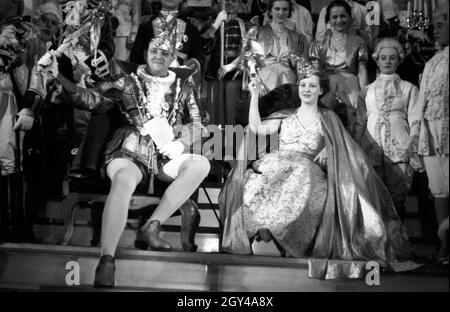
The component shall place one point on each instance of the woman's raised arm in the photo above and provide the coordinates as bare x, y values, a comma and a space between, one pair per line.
254, 119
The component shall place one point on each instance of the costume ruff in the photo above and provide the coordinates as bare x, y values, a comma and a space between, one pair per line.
157, 92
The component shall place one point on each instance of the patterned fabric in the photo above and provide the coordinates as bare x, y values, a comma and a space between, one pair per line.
383, 112
430, 118
273, 197
295, 137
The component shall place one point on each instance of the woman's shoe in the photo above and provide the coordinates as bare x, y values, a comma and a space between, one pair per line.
190, 219
105, 272
149, 237
265, 235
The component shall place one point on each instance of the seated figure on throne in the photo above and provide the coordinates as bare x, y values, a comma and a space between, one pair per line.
316, 195
133, 157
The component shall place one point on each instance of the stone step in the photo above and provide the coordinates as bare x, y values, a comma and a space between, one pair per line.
82, 236
42, 267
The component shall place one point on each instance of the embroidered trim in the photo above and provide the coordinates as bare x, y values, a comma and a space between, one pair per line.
384, 98
155, 93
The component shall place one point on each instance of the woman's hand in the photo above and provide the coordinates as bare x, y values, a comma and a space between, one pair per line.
254, 87
321, 158
172, 149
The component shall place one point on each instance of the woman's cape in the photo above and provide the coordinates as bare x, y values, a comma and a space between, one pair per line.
359, 221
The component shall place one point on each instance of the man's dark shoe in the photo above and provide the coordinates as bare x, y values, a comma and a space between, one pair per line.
105, 272
190, 220
148, 236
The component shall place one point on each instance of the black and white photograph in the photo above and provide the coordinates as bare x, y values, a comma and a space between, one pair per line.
224, 152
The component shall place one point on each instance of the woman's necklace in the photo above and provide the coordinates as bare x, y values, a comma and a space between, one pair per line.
278, 30
339, 43
339, 39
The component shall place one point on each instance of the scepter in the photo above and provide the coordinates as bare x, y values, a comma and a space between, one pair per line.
222, 38
221, 93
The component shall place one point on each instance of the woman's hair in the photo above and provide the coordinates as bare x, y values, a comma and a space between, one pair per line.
272, 2
323, 80
389, 43
341, 4
306, 70
286, 96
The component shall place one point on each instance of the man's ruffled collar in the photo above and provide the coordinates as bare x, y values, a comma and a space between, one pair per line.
166, 13
169, 80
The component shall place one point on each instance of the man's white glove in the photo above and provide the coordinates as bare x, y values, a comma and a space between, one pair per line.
48, 65
25, 120
221, 17
172, 149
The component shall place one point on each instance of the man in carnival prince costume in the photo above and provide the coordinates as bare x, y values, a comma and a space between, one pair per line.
132, 158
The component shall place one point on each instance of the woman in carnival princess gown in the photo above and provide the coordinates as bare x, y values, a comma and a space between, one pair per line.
316, 195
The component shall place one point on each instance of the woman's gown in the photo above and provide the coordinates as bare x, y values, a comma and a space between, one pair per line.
284, 192
351, 217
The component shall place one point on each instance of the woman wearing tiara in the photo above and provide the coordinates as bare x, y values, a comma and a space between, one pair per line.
316, 196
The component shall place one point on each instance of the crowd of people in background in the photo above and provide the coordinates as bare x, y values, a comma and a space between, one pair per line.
388, 83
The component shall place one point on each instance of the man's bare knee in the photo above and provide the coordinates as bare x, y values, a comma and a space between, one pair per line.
125, 179
200, 165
